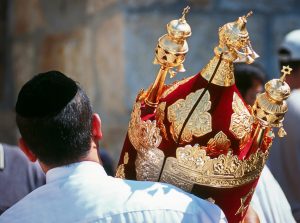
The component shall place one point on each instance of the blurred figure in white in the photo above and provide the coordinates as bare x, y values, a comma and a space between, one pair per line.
268, 201
284, 160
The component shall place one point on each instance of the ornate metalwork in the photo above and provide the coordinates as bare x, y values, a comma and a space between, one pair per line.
143, 134
120, 173
148, 164
193, 166
160, 116
145, 138
200, 122
220, 144
241, 119
169, 54
235, 46
270, 107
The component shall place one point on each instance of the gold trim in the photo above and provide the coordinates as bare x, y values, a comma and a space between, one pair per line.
145, 138
148, 164
193, 166
241, 120
217, 145
120, 173
143, 134
224, 75
200, 122
160, 116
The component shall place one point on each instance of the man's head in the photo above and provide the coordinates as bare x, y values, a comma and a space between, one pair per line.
249, 80
55, 120
289, 54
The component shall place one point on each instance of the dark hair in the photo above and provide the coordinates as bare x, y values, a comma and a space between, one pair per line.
54, 118
245, 74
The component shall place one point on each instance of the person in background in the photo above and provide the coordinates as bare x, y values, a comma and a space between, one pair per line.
250, 80
107, 162
59, 129
284, 159
268, 201
18, 176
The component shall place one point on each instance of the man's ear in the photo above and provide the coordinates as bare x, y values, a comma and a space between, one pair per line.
26, 150
96, 127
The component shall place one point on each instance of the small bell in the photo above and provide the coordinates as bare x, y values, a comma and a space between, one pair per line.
172, 73
281, 132
180, 68
249, 59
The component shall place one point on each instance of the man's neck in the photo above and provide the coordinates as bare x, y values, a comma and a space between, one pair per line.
92, 156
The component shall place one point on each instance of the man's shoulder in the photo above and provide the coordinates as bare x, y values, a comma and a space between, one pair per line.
117, 199
165, 196
23, 208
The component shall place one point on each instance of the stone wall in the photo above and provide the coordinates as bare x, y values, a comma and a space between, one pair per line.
108, 45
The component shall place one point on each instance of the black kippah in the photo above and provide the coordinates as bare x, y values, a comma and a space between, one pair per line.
45, 94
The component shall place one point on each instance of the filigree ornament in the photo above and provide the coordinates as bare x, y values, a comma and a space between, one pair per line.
145, 138
160, 116
193, 166
200, 122
219, 144
234, 46
120, 173
224, 75
241, 119
142, 134
148, 164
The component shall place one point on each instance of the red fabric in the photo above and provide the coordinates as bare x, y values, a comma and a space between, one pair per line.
221, 110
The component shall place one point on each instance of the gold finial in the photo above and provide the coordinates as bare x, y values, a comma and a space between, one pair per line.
169, 54
184, 12
248, 14
286, 70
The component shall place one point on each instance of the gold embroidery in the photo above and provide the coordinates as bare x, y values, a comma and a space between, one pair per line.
241, 120
145, 138
142, 134
120, 173
242, 209
160, 116
199, 123
193, 166
219, 144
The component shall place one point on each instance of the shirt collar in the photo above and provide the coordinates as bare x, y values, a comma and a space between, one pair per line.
58, 173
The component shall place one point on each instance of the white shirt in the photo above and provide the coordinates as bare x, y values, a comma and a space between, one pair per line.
82, 192
284, 159
269, 201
